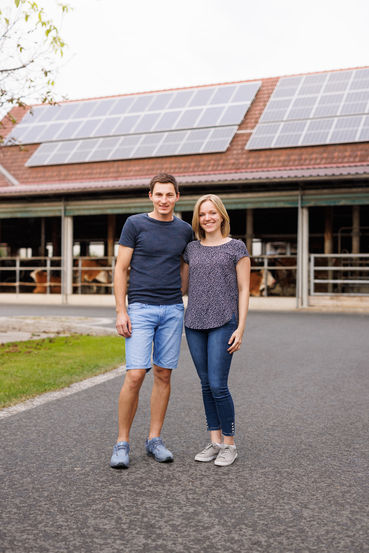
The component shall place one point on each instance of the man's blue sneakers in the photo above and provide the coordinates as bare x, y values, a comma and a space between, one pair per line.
157, 449
120, 457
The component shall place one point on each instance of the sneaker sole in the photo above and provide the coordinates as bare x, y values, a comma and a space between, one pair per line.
167, 460
225, 464
119, 466
206, 460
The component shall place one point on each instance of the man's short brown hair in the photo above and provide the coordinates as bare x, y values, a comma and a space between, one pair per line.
164, 178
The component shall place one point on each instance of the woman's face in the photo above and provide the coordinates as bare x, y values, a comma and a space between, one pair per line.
209, 217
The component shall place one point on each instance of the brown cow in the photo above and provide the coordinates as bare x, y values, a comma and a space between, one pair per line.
91, 271
40, 278
257, 282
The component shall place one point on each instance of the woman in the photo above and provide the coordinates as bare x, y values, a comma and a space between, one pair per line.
217, 269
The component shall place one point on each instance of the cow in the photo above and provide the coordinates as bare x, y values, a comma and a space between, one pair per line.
257, 282
93, 270
285, 271
40, 278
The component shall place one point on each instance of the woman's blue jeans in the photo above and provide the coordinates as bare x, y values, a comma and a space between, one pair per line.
212, 361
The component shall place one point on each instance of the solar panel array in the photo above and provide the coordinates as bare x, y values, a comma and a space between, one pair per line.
179, 122
198, 141
325, 108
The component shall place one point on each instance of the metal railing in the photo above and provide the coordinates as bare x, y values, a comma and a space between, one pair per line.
15, 275
330, 274
339, 274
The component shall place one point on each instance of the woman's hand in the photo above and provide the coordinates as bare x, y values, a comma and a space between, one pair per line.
235, 341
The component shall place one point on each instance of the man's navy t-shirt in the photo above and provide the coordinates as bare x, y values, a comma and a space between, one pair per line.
155, 266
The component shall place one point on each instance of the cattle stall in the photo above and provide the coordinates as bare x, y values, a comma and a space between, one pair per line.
75, 254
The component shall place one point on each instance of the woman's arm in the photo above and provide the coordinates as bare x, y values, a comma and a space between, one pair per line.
243, 283
184, 277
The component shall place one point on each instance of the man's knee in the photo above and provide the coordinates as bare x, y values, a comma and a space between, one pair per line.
162, 376
134, 378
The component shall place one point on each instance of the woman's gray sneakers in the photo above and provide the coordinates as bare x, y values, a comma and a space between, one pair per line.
209, 453
226, 456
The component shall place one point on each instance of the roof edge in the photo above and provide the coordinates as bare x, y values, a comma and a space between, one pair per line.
301, 174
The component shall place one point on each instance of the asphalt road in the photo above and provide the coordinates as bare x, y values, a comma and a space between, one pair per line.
300, 484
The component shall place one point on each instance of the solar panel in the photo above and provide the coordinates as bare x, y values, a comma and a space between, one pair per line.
135, 146
338, 102
222, 105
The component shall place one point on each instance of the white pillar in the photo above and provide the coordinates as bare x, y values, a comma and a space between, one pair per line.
67, 257
305, 257
302, 284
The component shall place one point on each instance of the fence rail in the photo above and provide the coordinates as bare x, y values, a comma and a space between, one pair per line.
330, 274
339, 274
45, 275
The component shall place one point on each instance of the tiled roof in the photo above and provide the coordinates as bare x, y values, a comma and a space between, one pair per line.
236, 164
194, 179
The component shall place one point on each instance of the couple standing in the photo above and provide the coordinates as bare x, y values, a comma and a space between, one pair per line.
164, 262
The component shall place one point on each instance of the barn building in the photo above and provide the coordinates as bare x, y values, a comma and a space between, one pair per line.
288, 155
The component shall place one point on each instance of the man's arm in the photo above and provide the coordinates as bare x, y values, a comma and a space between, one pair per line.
123, 323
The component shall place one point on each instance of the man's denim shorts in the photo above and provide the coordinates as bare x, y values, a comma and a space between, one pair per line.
156, 334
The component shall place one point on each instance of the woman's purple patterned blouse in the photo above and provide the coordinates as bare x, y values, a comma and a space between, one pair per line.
213, 290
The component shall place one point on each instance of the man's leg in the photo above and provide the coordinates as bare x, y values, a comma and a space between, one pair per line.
138, 357
167, 343
128, 401
159, 400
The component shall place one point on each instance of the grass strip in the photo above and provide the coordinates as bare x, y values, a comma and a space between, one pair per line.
30, 368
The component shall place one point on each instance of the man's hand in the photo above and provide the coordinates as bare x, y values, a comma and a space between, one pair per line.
123, 325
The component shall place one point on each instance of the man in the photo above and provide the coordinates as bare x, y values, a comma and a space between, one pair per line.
151, 244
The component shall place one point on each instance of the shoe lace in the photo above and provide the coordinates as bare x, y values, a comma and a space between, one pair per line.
209, 446
225, 452
122, 446
157, 444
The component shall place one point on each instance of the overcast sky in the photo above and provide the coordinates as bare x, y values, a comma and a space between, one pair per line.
120, 46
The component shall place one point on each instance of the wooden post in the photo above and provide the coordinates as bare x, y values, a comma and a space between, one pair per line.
356, 229
42, 251
328, 230
111, 235
249, 228
55, 236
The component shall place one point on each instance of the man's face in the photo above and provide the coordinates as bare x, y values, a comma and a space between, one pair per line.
164, 198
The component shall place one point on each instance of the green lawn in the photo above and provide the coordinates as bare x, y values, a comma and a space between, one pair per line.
30, 368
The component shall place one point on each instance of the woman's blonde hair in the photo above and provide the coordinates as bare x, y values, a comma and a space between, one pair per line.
218, 204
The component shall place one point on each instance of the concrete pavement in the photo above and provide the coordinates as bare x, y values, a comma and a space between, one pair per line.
300, 485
